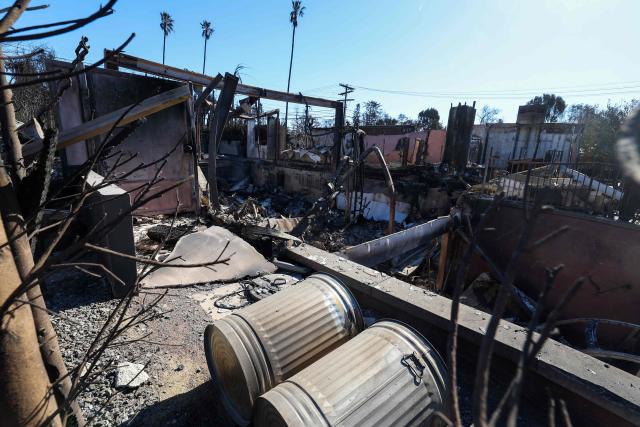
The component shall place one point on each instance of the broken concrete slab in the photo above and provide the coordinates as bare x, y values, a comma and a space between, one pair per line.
129, 376
207, 246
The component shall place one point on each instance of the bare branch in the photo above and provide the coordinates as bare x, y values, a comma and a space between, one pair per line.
71, 26
72, 73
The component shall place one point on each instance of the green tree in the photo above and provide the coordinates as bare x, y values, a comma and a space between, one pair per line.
600, 128
372, 113
297, 11
386, 120
403, 119
207, 32
554, 106
166, 23
429, 119
355, 118
489, 115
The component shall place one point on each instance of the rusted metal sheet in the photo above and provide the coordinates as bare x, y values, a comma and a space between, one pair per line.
604, 252
257, 347
383, 249
389, 375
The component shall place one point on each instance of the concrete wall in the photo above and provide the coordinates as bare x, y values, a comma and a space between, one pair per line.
503, 138
307, 183
393, 153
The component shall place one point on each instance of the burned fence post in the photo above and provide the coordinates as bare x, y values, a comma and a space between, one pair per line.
215, 133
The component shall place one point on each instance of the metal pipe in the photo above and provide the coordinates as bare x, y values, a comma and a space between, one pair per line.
383, 249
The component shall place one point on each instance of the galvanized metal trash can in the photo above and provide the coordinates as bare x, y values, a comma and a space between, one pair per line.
389, 375
257, 347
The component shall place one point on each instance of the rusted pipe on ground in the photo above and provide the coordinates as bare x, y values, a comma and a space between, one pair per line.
340, 177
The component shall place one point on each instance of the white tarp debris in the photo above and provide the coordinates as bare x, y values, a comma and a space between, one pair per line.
205, 246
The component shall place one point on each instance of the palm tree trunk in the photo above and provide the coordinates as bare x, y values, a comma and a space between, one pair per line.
164, 44
293, 41
204, 62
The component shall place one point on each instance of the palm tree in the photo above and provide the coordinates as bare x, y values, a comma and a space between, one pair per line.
207, 32
297, 11
166, 23
238, 71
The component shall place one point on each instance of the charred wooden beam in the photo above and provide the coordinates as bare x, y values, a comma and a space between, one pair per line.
216, 127
122, 117
142, 65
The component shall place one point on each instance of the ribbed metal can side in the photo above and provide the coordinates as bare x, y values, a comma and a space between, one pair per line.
238, 366
301, 324
288, 405
388, 375
257, 347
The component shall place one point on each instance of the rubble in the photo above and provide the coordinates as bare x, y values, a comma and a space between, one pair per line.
227, 207
129, 376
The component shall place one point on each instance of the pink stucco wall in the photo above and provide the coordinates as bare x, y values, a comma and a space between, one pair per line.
388, 144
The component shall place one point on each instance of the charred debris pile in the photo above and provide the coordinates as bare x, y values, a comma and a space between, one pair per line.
172, 254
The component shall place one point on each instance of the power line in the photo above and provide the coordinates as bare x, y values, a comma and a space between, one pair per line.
488, 95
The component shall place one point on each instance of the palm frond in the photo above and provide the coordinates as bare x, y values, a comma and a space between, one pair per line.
237, 71
166, 23
297, 10
207, 29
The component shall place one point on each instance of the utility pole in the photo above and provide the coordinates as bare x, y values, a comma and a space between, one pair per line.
347, 90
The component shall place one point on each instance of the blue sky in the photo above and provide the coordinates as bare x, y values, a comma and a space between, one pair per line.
421, 53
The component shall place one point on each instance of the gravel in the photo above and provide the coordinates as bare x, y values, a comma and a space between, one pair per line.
84, 305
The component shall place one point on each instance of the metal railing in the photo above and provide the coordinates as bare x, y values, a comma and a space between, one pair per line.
595, 188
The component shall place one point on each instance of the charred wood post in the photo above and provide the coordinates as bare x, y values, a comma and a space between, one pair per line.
337, 138
608, 397
215, 133
198, 112
459, 126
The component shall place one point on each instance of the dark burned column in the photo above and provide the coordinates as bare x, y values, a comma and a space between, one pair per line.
337, 138
459, 127
215, 133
